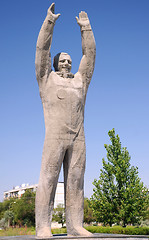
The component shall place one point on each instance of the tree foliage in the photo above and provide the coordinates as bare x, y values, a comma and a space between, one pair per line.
146, 217
5, 205
59, 214
9, 216
24, 209
119, 195
3, 223
18, 211
88, 213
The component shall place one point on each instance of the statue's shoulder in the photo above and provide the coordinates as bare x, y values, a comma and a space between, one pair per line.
78, 76
52, 74
77, 81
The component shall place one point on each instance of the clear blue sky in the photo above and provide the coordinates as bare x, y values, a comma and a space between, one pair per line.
118, 96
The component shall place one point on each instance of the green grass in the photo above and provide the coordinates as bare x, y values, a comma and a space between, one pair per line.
129, 230
59, 230
18, 231
27, 231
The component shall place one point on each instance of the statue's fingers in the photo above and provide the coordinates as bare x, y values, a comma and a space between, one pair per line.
52, 7
57, 15
77, 19
80, 14
83, 14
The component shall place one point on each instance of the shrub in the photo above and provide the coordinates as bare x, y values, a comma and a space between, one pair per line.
129, 230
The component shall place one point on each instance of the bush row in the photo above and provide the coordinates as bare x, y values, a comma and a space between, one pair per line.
129, 230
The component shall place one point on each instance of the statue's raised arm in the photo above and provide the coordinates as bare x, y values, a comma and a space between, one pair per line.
43, 58
87, 64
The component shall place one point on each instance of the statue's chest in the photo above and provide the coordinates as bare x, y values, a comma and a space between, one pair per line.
64, 89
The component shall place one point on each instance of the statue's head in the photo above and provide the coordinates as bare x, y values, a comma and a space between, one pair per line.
62, 62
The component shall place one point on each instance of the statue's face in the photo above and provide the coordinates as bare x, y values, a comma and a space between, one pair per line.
64, 63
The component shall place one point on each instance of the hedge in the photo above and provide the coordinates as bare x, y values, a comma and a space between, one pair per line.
129, 230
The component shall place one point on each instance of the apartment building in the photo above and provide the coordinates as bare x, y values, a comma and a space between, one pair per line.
17, 192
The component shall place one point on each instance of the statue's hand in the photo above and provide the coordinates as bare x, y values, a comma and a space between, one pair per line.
51, 14
83, 19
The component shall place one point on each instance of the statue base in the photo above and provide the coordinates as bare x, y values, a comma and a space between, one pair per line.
94, 237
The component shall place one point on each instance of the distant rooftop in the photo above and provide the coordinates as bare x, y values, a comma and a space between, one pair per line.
18, 191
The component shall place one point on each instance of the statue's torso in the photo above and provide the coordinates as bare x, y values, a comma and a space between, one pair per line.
63, 103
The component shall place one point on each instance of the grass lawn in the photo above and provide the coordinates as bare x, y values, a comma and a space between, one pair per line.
17, 231
129, 230
27, 231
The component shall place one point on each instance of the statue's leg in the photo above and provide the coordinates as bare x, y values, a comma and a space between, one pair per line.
52, 158
74, 168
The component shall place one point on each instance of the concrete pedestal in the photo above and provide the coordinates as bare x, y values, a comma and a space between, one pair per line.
94, 237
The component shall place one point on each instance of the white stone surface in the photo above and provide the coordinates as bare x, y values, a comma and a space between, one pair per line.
99, 236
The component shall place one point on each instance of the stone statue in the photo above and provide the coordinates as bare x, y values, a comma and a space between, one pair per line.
63, 97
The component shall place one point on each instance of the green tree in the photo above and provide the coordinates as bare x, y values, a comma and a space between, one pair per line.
1, 210
147, 214
59, 214
24, 209
88, 213
119, 195
3, 223
9, 216
6, 205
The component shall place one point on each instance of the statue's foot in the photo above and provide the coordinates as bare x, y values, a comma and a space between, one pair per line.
43, 233
79, 231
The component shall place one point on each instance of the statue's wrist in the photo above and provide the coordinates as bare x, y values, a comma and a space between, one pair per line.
51, 19
86, 28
